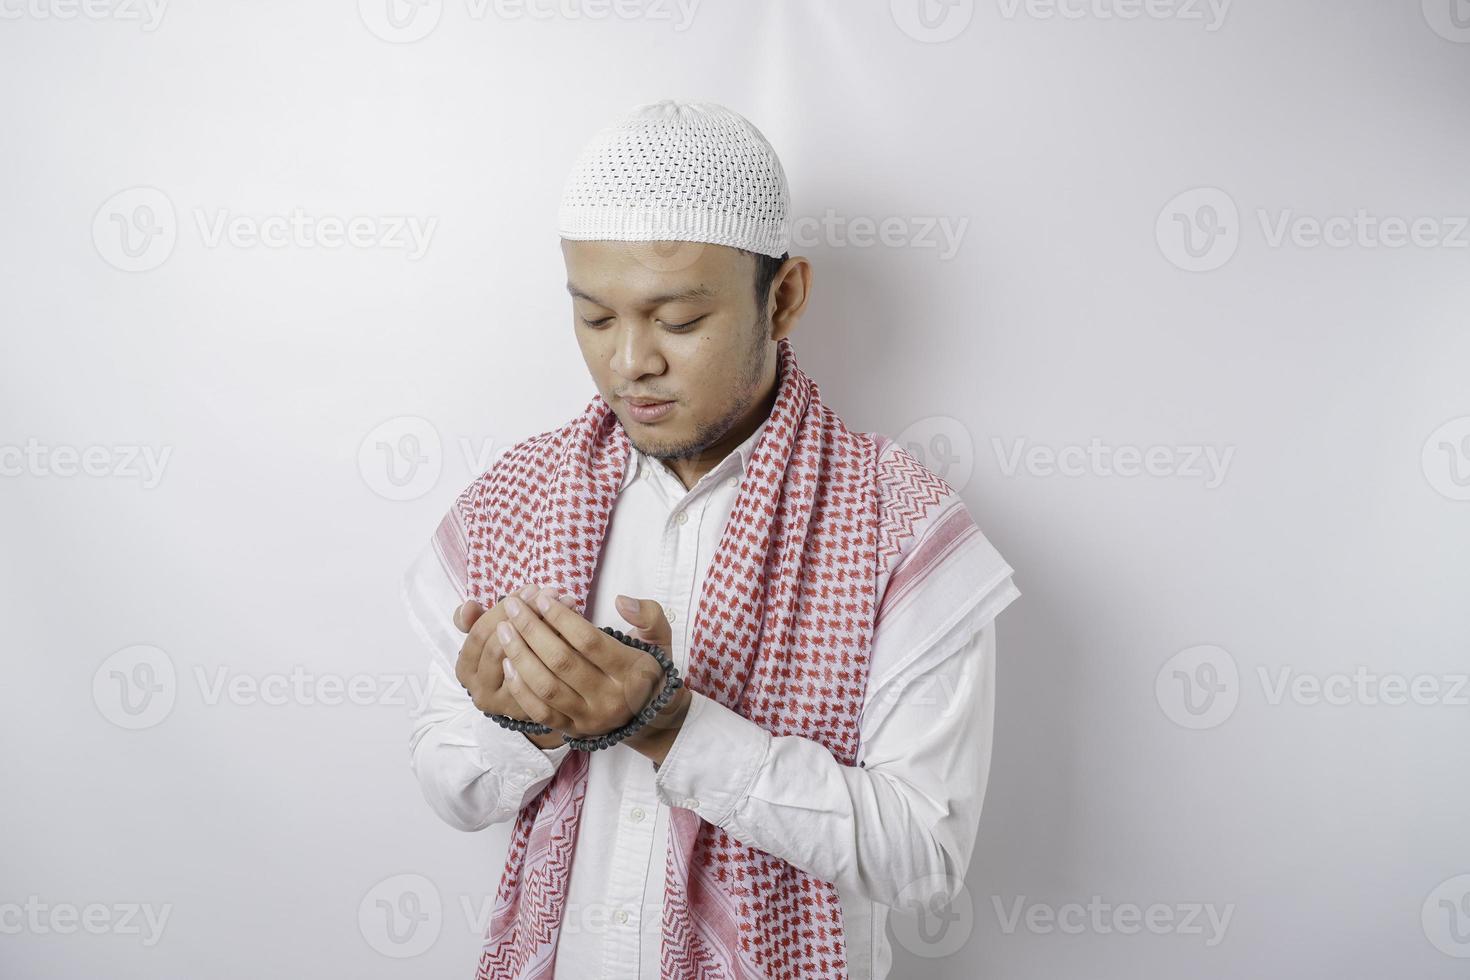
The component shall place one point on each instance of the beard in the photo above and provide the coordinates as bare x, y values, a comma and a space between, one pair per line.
707, 434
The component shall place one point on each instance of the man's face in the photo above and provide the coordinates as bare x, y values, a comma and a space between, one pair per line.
675, 322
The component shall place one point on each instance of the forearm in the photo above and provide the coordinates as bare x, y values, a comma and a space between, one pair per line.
472, 772
900, 826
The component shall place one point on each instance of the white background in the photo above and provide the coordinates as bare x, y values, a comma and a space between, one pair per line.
1072, 309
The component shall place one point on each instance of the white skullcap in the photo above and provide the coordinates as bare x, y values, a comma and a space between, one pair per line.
679, 172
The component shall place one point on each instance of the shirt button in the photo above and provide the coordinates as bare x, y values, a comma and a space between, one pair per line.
734, 481
637, 814
683, 517
691, 804
621, 915
670, 615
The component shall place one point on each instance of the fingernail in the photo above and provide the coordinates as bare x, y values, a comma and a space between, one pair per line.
543, 600
526, 591
508, 667
626, 605
505, 633
513, 606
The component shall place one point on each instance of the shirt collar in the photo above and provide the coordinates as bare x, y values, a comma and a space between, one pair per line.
739, 457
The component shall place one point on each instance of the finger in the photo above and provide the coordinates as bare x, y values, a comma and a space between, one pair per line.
489, 690
562, 658
537, 677
467, 664
531, 703
566, 622
466, 614
479, 643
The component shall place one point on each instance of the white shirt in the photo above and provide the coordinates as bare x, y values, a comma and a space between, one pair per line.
896, 830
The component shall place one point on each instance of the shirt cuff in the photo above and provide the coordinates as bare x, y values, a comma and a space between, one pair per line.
713, 761
528, 761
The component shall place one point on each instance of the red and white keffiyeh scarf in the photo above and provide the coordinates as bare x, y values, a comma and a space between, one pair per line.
781, 635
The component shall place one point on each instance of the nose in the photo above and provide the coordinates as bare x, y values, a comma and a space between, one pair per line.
636, 355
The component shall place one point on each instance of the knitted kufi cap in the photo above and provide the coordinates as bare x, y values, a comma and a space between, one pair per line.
683, 172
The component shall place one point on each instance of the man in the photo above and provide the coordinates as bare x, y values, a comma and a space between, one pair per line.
827, 603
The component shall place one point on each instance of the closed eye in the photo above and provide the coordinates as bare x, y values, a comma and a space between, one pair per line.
671, 326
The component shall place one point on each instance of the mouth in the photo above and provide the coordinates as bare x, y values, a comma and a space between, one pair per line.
647, 410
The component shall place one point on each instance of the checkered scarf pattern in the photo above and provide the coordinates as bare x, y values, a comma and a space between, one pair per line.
781, 635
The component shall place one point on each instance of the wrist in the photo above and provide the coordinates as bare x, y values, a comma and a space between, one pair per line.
655, 738
551, 740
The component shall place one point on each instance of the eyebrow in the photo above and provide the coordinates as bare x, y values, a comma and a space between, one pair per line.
682, 296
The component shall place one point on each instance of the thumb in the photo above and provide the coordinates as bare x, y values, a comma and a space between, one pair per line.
466, 614
648, 616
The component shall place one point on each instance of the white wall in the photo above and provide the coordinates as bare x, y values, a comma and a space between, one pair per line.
1332, 536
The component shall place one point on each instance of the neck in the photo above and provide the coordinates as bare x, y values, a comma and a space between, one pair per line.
689, 469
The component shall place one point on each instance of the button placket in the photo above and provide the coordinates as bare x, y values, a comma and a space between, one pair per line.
680, 588
633, 849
